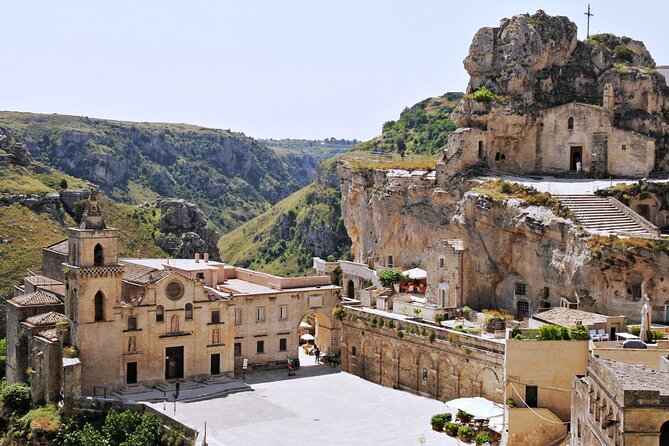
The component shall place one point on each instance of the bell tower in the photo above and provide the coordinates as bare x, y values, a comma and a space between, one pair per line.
93, 283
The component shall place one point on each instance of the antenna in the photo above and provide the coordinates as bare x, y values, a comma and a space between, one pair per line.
589, 14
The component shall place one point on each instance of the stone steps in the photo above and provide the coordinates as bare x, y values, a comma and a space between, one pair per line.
605, 215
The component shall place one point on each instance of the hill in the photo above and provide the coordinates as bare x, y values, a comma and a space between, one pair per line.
320, 150
284, 239
230, 176
421, 129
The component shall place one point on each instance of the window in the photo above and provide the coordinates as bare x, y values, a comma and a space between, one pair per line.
215, 317
480, 149
624, 147
260, 314
442, 262
189, 312
260, 347
521, 289
283, 312
424, 374
199, 276
522, 310
99, 306
160, 313
497, 156
238, 316
98, 255
132, 323
389, 262
238, 349
353, 352
570, 123
174, 290
283, 344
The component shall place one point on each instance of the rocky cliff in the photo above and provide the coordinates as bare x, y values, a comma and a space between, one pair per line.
531, 62
506, 240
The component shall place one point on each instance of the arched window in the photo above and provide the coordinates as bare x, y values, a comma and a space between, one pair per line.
664, 434
99, 306
160, 313
98, 255
570, 123
189, 312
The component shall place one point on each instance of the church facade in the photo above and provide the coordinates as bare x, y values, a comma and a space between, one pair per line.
93, 323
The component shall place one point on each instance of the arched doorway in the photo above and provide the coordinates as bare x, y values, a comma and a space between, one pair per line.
575, 156
315, 330
664, 434
98, 255
350, 289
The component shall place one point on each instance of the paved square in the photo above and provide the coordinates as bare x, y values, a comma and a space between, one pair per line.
319, 406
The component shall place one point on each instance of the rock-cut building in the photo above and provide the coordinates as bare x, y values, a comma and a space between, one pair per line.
92, 323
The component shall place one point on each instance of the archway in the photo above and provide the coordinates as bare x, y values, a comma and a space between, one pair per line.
350, 289
315, 331
99, 306
98, 255
406, 370
575, 156
664, 434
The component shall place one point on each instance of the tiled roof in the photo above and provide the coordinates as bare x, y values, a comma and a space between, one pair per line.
142, 274
50, 334
39, 297
50, 318
60, 247
638, 377
567, 317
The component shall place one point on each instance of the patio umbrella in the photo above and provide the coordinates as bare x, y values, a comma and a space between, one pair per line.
415, 273
307, 337
304, 325
645, 335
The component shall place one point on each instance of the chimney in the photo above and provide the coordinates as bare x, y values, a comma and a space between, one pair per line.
206, 257
197, 257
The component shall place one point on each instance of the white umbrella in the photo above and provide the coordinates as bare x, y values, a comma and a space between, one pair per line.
645, 335
415, 273
478, 407
307, 337
304, 325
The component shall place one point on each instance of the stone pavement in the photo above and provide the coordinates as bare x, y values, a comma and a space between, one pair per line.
318, 406
569, 186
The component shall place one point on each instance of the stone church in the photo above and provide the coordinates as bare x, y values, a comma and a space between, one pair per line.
92, 323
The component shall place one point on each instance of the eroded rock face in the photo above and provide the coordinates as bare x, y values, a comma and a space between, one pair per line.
181, 217
505, 242
17, 151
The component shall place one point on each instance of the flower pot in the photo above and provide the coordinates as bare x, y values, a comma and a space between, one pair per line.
466, 439
451, 433
436, 427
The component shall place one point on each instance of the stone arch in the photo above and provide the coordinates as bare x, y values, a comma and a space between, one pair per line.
388, 364
350, 289
491, 385
447, 387
406, 367
664, 434
98, 255
426, 373
99, 303
468, 385
371, 360
324, 330
351, 355
570, 123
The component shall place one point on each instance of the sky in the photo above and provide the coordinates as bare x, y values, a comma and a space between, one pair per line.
270, 69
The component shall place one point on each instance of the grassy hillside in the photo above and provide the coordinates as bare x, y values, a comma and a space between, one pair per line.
319, 149
284, 239
230, 176
421, 129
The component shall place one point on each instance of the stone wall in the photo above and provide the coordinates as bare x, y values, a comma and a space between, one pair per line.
453, 365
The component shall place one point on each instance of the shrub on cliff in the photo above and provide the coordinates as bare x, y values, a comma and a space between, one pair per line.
624, 53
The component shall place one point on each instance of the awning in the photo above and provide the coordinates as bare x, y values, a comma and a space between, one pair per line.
304, 325
480, 407
415, 273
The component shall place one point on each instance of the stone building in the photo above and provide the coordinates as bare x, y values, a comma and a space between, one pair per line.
150, 320
620, 404
554, 142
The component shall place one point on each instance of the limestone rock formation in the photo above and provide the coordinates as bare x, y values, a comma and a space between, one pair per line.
15, 151
534, 62
187, 219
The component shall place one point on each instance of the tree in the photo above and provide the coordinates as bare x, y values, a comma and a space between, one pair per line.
389, 277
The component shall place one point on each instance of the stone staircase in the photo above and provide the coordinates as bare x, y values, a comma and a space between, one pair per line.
608, 215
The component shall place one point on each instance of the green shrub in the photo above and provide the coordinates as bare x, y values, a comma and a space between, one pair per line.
437, 422
482, 439
338, 312
439, 318
465, 432
463, 416
483, 94
579, 333
451, 428
63, 184
391, 324
389, 277
550, 332
16, 399
432, 336
506, 187
623, 52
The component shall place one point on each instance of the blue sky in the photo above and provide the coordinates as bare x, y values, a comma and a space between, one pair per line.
301, 69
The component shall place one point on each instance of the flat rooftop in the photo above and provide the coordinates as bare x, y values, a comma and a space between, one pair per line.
183, 264
567, 317
638, 377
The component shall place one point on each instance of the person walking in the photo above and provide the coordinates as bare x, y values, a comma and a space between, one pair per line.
317, 353
176, 389
578, 167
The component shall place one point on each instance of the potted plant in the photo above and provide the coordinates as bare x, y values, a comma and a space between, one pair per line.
465, 433
510, 403
437, 423
482, 439
463, 416
451, 429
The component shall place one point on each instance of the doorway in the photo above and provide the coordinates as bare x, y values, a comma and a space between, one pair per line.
531, 396
174, 362
350, 290
575, 156
215, 368
131, 373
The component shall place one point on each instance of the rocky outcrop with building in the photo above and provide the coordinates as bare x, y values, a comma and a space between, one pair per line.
403, 217
532, 63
